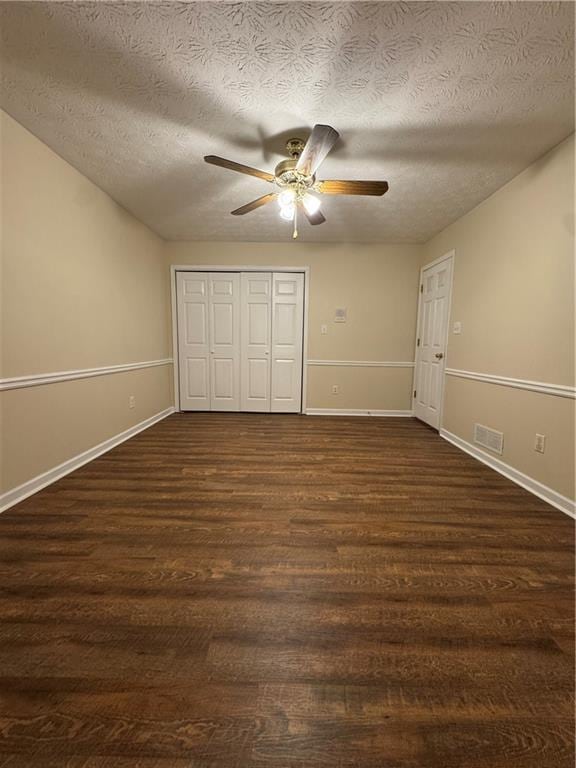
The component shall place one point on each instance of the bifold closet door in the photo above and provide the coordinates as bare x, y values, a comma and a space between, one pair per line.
209, 340
224, 335
287, 341
240, 340
256, 340
192, 290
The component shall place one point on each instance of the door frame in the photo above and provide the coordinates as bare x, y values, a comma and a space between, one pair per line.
174, 268
449, 256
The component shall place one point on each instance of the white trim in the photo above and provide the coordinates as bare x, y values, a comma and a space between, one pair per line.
174, 316
36, 379
233, 268
452, 256
36, 484
362, 363
305, 340
353, 412
545, 388
563, 503
174, 268
439, 260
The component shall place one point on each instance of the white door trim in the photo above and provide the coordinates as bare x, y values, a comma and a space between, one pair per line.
447, 256
174, 268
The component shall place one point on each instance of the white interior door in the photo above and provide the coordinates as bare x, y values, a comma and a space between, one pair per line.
192, 289
224, 336
432, 339
287, 339
256, 337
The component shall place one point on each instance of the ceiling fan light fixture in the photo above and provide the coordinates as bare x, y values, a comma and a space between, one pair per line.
287, 212
311, 204
286, 198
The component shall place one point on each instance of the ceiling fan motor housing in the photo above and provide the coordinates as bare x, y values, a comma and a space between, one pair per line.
286, 173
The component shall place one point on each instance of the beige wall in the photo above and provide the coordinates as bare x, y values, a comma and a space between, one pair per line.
83, 285
377, 284
514, 295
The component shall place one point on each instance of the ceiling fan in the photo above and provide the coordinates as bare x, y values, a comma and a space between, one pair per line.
295, 179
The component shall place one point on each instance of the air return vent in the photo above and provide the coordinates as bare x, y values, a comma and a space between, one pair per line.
489, 438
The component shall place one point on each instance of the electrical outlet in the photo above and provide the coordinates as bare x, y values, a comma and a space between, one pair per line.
540, 443
335, 389
132, 401
323, 330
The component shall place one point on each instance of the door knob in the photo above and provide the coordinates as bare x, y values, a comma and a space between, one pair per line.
266, 352
439, 355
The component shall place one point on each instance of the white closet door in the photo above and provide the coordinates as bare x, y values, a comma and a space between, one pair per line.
193, 340
256, 317
432, 333
224, 334
287, 335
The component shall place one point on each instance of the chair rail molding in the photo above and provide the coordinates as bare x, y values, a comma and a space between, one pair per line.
38, 379
545, 388
363, 363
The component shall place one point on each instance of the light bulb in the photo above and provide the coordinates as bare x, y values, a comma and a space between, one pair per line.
286, 198
311, 203
287, 212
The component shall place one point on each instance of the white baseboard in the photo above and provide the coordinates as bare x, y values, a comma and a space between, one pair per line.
353, 412
563, 503
36, 484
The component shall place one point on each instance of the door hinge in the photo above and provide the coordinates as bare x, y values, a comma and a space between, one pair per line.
417, 342
414, 395
422, 288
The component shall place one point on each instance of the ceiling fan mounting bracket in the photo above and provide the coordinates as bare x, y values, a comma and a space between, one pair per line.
295, 147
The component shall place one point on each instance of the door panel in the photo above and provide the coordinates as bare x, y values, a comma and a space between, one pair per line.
193, 347
287, 339
222, 324
433, 335
224, 333
196, 326
258, 384
223, 381
196, 378
256, 340
258, 330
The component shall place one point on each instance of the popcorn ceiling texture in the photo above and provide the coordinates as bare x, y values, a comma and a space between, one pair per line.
446, 101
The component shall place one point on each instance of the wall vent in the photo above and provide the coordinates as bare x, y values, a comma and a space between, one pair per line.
489, 438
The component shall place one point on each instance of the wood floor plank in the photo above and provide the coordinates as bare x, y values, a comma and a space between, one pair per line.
268, 591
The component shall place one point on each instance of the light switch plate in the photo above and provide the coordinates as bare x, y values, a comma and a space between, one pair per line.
457, 327
323, 330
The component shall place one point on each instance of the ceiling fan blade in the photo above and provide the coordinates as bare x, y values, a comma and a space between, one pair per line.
254, 204
314, 218
232, 166
334, 187
320, 142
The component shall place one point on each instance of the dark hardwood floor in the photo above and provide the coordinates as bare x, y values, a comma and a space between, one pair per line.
245, 591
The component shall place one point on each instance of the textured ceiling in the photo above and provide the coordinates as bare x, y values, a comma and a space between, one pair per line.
446, 101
